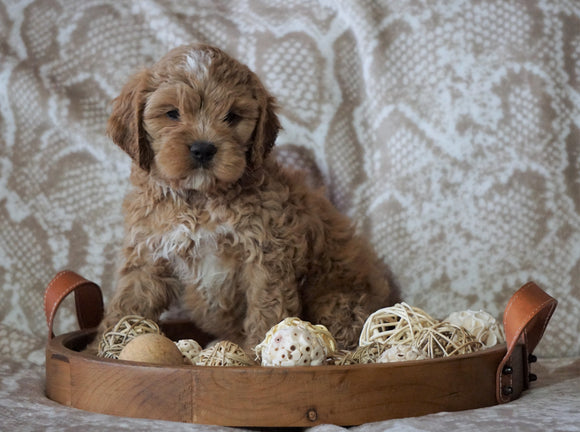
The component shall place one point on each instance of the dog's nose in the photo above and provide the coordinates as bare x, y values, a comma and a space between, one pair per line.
202, 151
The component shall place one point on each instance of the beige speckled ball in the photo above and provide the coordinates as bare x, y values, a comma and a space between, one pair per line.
152, 348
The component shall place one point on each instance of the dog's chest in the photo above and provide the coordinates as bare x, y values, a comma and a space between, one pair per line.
186, 240
199, 256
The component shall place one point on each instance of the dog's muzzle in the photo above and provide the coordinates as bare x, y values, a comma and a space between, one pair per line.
202, 152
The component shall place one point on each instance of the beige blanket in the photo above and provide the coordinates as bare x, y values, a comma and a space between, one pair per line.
449, 131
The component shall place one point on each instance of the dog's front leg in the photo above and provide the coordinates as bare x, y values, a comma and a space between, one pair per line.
146, 287
269, 301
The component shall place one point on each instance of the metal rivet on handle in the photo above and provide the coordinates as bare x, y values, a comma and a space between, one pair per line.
507, 390
507, 370
532, 358
532, 377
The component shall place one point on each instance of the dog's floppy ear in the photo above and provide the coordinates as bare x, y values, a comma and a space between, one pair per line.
266, 130
125, 126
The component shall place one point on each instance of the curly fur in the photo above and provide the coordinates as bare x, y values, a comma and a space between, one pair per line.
237, 240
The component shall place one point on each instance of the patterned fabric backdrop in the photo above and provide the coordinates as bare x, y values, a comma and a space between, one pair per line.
448, 131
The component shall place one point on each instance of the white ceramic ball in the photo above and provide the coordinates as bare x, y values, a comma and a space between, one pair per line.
294, 346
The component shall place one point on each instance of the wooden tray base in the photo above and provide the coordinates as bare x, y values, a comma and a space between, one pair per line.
262, 396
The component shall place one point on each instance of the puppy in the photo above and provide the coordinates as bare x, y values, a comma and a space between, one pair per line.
215, 224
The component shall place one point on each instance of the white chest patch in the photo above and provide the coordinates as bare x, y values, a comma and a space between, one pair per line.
194, 255
181, 241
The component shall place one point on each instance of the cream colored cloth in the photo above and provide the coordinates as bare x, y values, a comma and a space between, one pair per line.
448, 131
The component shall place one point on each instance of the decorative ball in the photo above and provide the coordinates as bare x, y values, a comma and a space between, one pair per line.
294, 342
152, 348
127, 328
293, 347
224, 353
480, 324
398, 324
401, 353
362, 355
445, 339
190, 349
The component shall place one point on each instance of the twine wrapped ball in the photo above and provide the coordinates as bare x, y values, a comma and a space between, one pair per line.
128, 328
445, 339
401, 353
398, 324
152, 348
480, 324
190, 349
224, 353
294, 342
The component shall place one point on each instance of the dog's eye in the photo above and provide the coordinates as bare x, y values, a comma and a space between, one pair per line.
173, 114
232, 118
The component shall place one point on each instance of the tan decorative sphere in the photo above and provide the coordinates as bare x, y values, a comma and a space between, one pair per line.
152, 348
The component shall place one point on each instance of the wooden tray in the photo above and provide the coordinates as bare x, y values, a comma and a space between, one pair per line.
299, 396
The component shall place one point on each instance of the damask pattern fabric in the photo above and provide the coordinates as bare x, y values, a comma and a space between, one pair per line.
448, 131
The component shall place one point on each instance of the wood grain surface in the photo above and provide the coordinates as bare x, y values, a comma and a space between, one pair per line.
262, 396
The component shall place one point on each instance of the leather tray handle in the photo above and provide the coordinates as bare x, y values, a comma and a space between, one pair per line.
525, 319
88, 300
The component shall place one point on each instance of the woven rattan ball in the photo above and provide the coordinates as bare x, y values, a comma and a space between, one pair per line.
115, 338
362, 355
445, 339
224, 353
400, 352
398, 324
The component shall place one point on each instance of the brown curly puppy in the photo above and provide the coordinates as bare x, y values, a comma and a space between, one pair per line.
214, 223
